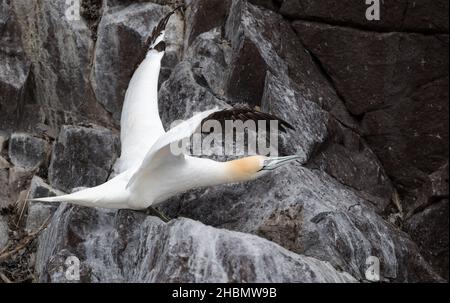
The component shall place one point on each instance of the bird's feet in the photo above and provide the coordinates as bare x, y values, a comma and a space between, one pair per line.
152, 211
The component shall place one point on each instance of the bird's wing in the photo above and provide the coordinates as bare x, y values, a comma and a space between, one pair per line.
158, 32
161, 151
244, 114
141, 124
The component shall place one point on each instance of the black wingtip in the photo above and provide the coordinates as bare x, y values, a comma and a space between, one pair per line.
160, 27
248, 114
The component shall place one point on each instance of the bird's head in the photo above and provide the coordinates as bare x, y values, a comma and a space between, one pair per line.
251, 168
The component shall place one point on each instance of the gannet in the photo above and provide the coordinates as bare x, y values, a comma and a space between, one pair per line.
148, 172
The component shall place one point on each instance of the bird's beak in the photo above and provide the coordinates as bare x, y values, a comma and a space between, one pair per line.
275, 162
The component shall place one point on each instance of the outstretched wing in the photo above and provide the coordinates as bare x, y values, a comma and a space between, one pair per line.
161, 153
141, 124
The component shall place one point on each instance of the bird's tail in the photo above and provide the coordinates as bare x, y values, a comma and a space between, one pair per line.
82, 197
63, 198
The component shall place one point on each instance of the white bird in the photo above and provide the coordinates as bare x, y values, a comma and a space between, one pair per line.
149, 173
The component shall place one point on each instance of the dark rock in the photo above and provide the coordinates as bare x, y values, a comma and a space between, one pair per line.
209, 55
82, 157
331, 222
115, 61
347, 157
269, 4
182, 95
307, 117
203, 16
434, 189
61, 52
195, 86
131, 247
38, 213
27, 151
397, 85
15, 79
427, 222
429, 228
263, 42
128, 2
403, 15
328, 144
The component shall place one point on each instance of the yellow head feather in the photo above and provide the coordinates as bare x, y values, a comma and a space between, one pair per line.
245, 168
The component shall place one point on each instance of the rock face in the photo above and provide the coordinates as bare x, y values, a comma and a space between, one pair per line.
402, 15
137, 254
429, 219
82, 157
369, 101
405, 110
14, 71
38, 213
60, 49
312, 214
27, 151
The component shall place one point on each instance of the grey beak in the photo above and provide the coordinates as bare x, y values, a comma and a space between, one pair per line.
275, 162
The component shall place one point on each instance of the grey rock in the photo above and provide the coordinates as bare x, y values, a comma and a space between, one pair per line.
5, 198
209, 55
402, 15
4, 163
307, 117
27, 151
18, 180
322, 132
82, 156
38, 213
131, 247
203, 16
327, 143
329, 221
262, 42
181, 95
115, 62
4, 137
4, 232
61, 51
388, 92
15, 80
